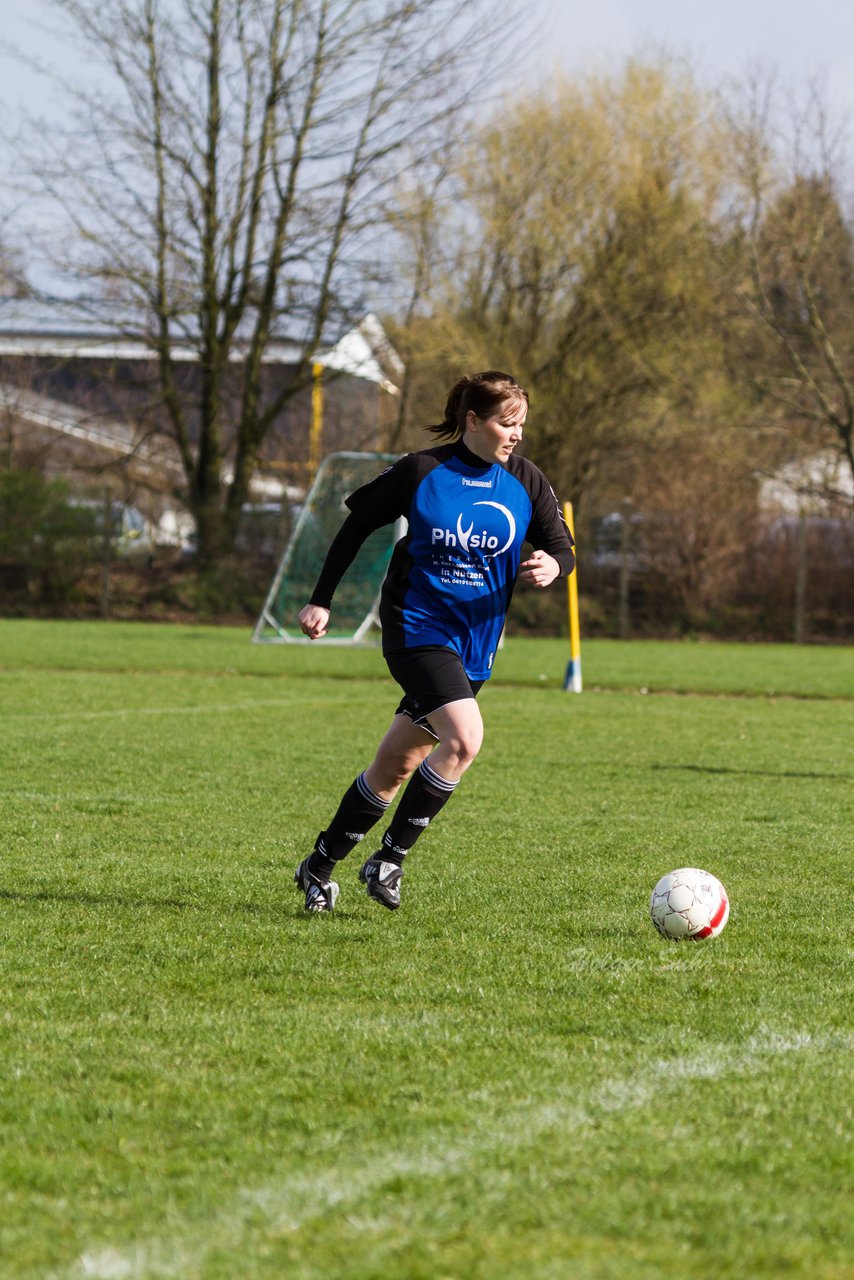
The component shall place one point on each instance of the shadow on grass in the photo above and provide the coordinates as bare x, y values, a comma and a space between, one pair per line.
283, 909
755, 773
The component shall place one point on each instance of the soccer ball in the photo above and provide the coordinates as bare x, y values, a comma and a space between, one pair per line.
689, 903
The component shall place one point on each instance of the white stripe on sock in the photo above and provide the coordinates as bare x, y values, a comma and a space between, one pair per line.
435, 780
367, 794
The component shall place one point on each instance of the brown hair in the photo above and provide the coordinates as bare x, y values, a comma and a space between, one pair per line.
484, 393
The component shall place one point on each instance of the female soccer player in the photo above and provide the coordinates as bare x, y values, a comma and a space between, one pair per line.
470, 504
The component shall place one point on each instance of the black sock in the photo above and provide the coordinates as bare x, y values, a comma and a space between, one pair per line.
359, 810
426, 793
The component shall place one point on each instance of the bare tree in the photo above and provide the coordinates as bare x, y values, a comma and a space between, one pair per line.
800, 248
585, 263
13, 270
423, 206
235, 188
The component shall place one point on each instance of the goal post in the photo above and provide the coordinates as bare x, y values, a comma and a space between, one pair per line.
356, 608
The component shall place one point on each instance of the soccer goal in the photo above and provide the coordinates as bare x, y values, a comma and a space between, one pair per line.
355, 612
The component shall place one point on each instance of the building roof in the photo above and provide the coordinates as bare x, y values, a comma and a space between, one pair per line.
62, 329
115, 436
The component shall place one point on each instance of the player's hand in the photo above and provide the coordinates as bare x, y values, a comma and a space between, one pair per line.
540, 570
314, 620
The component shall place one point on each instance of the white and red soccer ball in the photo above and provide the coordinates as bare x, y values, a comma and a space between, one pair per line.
689, 903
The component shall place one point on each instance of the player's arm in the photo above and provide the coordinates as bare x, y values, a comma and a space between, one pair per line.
540, 569
314, 617
314, 621
374, 505
553, 556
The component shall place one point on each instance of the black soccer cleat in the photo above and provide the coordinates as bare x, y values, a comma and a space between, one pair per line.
320, 895
382, 881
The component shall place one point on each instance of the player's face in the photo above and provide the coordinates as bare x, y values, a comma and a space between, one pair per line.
494, 439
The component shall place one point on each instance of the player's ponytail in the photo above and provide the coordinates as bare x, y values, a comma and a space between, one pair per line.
449, 428
484, 393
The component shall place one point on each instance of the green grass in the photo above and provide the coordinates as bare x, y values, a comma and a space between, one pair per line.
695, 667
511, 1077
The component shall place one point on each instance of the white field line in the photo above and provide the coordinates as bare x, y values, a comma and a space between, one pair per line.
291, 1203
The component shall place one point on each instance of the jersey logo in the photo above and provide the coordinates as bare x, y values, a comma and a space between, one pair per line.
483, 540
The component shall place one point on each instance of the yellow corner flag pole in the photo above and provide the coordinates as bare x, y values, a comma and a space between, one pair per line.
572, 679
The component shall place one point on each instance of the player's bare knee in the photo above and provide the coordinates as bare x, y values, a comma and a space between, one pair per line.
462, 748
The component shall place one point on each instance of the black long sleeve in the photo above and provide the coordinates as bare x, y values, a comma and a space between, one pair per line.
342, 552
548, 530
380, 502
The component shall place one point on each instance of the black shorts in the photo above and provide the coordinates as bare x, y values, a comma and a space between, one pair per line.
430, 676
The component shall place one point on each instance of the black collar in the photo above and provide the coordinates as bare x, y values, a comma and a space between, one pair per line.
471, 459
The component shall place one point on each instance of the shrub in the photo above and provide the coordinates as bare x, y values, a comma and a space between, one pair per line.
46, 544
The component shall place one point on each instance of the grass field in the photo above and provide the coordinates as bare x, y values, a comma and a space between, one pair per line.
511, 1078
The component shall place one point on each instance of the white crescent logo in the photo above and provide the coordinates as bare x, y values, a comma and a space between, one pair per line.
464, 534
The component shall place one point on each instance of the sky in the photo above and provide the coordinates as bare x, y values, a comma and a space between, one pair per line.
801, 38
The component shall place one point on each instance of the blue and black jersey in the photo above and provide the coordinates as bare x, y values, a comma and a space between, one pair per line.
451, 576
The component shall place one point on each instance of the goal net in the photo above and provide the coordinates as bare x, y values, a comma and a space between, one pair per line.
355, 610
